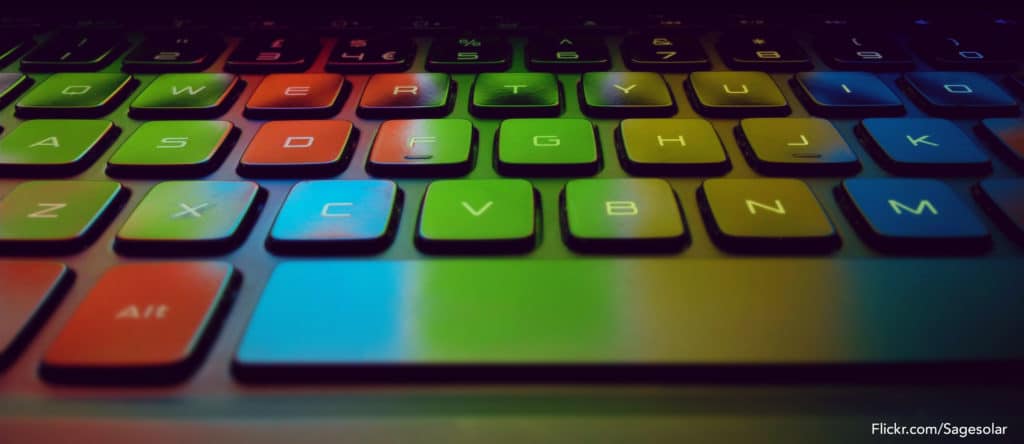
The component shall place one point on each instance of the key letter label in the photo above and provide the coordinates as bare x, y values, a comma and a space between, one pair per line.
803, 142
662, 140
173, 142
958, 88
187, 89
329, 208
515, 88
625, 90
477, 212
777, 209
297, 91
421, 139
545, 141
298, 142
51, 141
898, 207
406, 89
743, 89
48, 210
621, 208
190, 211
75, 90
923, 140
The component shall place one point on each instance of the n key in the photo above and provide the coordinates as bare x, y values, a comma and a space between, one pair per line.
56, 216
841, 94
607, 94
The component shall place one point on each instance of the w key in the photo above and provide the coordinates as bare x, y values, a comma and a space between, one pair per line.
642, 94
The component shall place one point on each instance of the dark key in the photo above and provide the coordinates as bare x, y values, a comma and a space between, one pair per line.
56, 216
176, 96
671, 147
1016, 82
736, 94
75, 95
959, 94
765, 215
11, 85
1003, 200
73, 51
618, 215
923, 147
172, 148
46, 147
845, 94
567, 53
609, 94
547, 147
478, 216
173, 53
428, 147
129, 331
336, 216
664, 53
295, 96
369, 55
298, 148
30, 291
864, 51
190, 217
763, 52
469, 54
796, 146
406, 95
11, 46
969, 52
1008, 135
516, 95
273, 53
912, 216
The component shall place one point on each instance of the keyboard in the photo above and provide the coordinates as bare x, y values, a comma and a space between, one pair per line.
220, 211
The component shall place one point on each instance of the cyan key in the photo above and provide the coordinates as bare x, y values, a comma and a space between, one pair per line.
923, 147
53, 147
959, 94
840, 94
74, 95
56, 216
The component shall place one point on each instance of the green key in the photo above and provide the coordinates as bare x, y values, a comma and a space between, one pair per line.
190, 217
614, 215
172, 148
516, 95
609, 94
49, 216
547, 147
671, 147
74, 95
481, 216
200, 95
53, 147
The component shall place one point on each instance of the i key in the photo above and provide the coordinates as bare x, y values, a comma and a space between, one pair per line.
73, 51
565, 53
763, 52
369, 55
642, 94
173, 53
843, 94
664, 53
469, 54
273, 53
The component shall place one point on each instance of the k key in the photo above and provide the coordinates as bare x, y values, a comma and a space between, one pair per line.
366, 55
273, 53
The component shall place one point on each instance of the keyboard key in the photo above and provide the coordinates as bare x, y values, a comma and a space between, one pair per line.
1003, 200
736, 94
75, 95
671, 147
959, 94
283, 96
478, 217
369, 55
298, 148
469, 54
796, 146
547, 147
54, 147
173, 53
273, 53
190, 217
865, 51
912, 216
337, 217
172, 148
73, 51
428, 147
56, 216
765, 215
129, 331
607, 94
176, 96
516, 95
1008, 135
950, 51
11, 85
845, 94
622, 215
11, 46
406, 95
565, 53
763, 52
664, 53
923, 147
31, 290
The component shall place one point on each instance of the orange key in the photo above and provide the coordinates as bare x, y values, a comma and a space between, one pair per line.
296, 96
298, 147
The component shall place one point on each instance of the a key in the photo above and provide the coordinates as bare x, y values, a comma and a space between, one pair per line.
336, 216
736, 94
959, 94
11, 46
54, 147
31, 290
765, 215
923, 147
469, 54
478, 217
406, 95
499, 95
796, 146
912, 216
567, 53
172, 148
75, 95
622, 215
298, 148
174, 52
1003, 200
130, 331
190, 218
671, 147
177, 96
11, 85
845, 94
273, 53
864, 51
1008, 135
371, 54
608, 94
763, 52
294, 96
664, 53
426, 147
56, 216
73, 51
547, 147
968, 52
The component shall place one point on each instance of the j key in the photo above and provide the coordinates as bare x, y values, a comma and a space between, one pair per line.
736, 94
912, 216
516, 95
73, 52
864, 53
176, 96
174, 53
190, 217
56, 216
478, 216
616, 215
31, 289
406, 95
273, 53
796, 146
959, 94
129, 331
46, 147
1007, 134
428, 147
664, 53
607, 94
11, 46
1003, 199
11, 85
946, 51
368, 55
547, 147
844, 94
336, 216
298, 148
765, 215
567, 54
469, 54
296, 96
172, 148
671, 147
763, 52
75, 95
923, 146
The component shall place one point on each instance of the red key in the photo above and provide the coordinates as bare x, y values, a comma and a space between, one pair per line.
296, 95
298, 147
28, 290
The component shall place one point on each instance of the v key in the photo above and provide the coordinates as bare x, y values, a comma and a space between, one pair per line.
477, 212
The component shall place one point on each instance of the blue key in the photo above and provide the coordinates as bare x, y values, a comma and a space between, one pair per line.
912, 216
336, 216
959, 94
1003, 199
837, 94
923, 146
